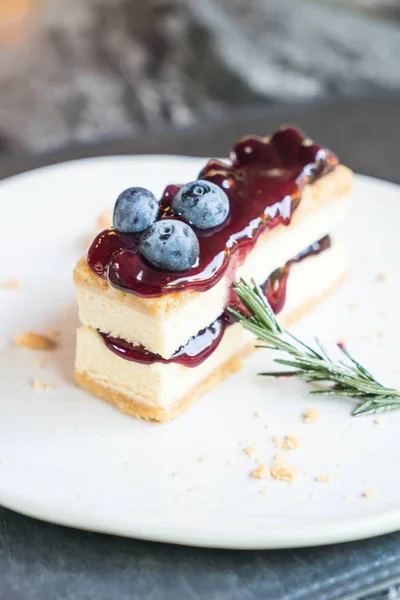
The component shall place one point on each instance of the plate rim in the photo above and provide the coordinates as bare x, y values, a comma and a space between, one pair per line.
341, 530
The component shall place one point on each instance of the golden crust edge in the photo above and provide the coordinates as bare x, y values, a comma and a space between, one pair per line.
232, 365
337, 182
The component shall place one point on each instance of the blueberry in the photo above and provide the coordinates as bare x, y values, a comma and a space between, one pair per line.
202, 203
135, 209
170, 245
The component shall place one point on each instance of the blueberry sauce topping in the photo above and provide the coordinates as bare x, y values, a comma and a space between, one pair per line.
192, 354
202, 345
263, 182
274, 287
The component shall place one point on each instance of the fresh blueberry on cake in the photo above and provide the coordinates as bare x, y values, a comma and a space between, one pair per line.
135, 210
202, 203
153, 289
170, 245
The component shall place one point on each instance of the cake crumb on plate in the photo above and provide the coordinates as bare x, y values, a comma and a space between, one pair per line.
311, 415
371, 493
39, 386
323, 478
11, 284
283, 471
287, 442
250, 450
260, 472
34, 341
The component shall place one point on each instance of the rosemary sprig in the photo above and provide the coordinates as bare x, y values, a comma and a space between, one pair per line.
349, 377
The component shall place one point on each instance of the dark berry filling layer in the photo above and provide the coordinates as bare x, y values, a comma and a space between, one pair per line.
202, 345
263, 182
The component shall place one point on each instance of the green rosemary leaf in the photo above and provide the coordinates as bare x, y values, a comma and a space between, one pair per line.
349, 378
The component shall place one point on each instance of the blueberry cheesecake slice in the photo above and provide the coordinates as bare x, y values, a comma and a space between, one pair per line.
153, 289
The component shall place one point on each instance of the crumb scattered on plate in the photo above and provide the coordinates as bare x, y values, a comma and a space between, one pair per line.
250, 450
382, 277
39, 386
378, 421
287, 442
311, 415
323, 478
175, 473
371, 493
11, 284
34, 341
260, 472
283, 471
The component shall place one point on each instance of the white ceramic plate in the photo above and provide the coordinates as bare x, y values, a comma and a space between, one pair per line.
70, 458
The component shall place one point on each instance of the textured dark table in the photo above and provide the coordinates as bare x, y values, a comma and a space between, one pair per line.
43, 561
79, 71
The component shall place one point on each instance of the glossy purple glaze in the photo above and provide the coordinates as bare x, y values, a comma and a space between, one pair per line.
263, 181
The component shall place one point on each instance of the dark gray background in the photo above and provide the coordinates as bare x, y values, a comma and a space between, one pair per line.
49, 562
79, 71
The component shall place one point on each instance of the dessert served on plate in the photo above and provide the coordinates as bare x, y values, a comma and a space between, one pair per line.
153, 289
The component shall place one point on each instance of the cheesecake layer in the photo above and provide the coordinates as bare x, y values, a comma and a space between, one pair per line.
162, 391
164, 324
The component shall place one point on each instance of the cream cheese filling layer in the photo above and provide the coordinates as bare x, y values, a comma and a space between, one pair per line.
162, 385
163, 332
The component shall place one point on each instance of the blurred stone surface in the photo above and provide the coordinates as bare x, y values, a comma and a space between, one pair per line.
76, 71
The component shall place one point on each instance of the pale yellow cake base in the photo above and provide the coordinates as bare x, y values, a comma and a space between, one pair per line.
160, 414
138, 409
